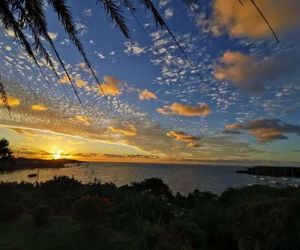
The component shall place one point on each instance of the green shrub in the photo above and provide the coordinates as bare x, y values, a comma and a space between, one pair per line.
10, 212
153, 186
89, 208
271, 224
190, 233
41, 215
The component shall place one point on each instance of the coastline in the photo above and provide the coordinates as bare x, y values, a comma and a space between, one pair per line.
291, 172
25, 163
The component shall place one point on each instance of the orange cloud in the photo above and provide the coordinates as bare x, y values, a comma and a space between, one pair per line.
83, 118
191, 141
245, 21
147, 95
39, 107
237, 68
78, 81
202, 109
127, 130
64, 80
265, 130
25, 132
12, 101
111, 86
252, 72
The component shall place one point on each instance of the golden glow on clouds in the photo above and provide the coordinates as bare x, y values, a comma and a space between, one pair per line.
57, 154
147, 95
80, 83
83, 119
39, 107
201, 109
242, 21
191, 141
64, 80
68, 143
12, 101
111, 86
234, 66
127, 130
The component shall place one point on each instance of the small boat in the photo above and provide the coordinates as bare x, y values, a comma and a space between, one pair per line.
32, 175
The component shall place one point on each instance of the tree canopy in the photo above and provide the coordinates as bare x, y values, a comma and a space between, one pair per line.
5, 151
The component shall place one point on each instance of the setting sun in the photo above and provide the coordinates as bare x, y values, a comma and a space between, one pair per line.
57, 154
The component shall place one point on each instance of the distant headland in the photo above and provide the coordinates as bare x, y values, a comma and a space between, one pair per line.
291, 172
25, 163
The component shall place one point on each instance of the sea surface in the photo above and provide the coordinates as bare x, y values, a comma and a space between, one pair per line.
180, 178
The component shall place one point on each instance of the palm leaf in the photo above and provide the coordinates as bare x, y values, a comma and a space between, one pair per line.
3, 97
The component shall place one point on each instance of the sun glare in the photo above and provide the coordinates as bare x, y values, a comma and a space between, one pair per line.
57, 154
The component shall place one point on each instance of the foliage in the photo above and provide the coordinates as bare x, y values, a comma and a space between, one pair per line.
10, 212
41, 215
146, 216
5, 151
88, 209
153, 186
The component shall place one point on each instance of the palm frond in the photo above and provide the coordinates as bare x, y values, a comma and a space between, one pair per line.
65, 17
10, 22
115, 13
263, 17
3, 97
132, 9
161, 22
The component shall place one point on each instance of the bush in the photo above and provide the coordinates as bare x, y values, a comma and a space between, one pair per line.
190, 233
153, 186
89, 208
272, 224
41, 215
60, 184
11, 212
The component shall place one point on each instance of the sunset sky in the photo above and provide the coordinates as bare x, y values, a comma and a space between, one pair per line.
238, 102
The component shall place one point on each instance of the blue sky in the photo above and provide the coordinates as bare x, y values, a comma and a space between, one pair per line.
238, 101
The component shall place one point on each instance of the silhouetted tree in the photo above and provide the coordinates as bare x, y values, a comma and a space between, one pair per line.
5, 151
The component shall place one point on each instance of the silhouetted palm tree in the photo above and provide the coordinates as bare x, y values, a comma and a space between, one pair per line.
30, 15
18, 15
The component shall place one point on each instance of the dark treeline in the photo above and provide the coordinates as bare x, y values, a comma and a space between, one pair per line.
8, 165
65, 214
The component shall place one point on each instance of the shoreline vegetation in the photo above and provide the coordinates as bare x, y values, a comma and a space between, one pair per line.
63, 213
9, 165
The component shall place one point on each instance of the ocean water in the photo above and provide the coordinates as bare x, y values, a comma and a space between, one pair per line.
180, 178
